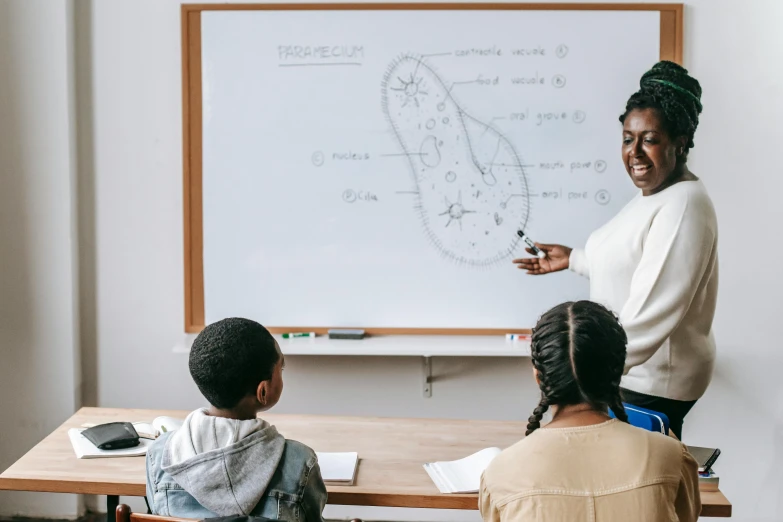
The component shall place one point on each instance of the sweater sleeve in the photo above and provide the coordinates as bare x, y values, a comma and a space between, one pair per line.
676, 255
577, 262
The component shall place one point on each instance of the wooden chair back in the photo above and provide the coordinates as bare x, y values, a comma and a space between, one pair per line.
124, 514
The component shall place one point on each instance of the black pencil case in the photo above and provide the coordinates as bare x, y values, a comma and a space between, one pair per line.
113, 435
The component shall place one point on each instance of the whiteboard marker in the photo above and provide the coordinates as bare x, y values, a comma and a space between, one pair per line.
517, 337
298, 334
540, 253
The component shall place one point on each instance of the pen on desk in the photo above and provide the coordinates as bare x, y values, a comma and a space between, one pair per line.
298, 334
538, 252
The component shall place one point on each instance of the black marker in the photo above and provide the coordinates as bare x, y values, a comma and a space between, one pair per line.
538, 252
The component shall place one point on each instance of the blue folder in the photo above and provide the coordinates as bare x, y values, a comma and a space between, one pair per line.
646, 419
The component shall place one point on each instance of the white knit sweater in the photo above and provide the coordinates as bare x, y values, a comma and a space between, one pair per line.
656, 265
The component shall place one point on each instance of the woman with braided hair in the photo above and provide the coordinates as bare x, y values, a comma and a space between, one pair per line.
584, 465
656, 261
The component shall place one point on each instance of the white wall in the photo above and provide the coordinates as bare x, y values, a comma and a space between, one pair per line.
130, 238
39, 374
733, 48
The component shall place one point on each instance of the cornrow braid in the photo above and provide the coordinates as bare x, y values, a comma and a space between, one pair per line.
618, 366
670, 90
534, 421
578, 350
572, 348
618, 409
556, 380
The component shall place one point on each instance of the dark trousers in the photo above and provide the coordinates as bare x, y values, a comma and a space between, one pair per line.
675, 410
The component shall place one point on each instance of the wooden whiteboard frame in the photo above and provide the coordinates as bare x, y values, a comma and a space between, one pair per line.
671, 49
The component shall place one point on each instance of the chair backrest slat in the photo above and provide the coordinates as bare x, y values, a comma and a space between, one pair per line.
124, 514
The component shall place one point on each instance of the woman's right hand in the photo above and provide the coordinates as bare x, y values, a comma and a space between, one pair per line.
556, 260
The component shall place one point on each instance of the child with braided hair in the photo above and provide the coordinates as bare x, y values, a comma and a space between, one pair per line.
656, 261
584, 465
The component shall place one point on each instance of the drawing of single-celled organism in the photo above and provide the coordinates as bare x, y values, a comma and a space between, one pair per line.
470, 192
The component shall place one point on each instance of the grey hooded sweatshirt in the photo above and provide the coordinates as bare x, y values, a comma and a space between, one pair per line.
213, 466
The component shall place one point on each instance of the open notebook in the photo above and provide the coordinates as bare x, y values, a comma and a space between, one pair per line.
158, 426
461, 476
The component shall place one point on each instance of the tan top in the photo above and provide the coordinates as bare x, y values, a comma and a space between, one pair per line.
606, 472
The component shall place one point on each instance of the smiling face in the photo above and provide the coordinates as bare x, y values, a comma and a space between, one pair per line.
650, 155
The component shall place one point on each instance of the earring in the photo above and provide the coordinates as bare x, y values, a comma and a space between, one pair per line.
681, 151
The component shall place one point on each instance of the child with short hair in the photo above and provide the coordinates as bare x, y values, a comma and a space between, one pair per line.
224, 460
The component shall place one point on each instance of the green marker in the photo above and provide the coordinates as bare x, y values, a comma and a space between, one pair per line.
298, 334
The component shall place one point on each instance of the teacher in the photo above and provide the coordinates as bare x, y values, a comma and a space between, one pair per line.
656, 262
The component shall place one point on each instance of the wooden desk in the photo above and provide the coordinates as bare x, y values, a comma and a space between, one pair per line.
391, 453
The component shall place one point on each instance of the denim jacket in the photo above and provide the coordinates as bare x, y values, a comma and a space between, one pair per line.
193, 474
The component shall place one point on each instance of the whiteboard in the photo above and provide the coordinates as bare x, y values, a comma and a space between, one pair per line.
370, 168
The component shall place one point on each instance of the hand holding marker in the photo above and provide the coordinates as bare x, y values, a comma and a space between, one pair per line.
541, 254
